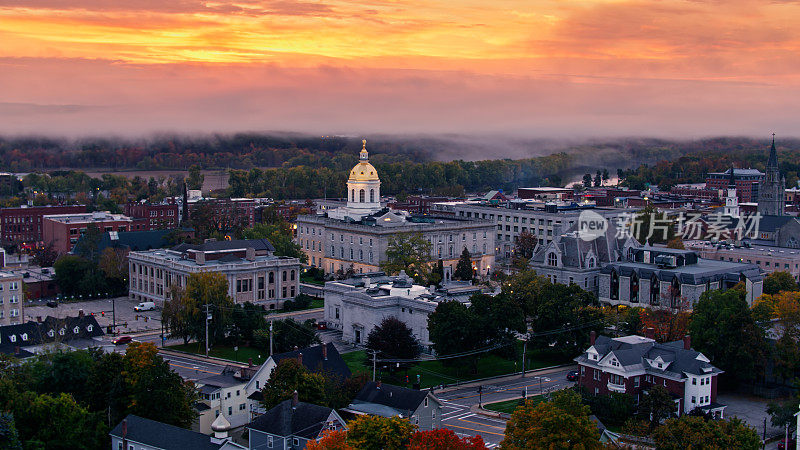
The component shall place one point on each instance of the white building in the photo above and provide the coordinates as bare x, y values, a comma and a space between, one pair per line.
357, 305
357, 235
253, 272
12, 305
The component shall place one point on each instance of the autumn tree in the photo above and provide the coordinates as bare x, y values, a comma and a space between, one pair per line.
380, 433
779, 281
279, 234
784, 309
562, 422
688, 432
207, 291
44, 255
331, 440
176, 314
409, 252
668, 324
525, 245
444, 439
195, 178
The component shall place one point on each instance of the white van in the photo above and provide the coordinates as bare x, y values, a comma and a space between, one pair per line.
145, 306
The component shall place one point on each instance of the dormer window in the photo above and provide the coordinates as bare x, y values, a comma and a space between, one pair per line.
61, 332
90, 328
12, 338
51, 333
552, 259
76, 330
24, 336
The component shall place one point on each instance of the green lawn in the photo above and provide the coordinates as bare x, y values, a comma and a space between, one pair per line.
509, 406
224, 351
311, 280
433, 373
317, 303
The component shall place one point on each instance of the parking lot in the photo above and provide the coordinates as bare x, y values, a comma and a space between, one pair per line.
102, 310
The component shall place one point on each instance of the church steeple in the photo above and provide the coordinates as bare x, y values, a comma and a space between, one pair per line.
772, 162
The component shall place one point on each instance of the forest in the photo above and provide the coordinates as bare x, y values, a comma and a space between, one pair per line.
299, 167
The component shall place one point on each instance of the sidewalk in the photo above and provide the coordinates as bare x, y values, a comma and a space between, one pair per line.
502, 378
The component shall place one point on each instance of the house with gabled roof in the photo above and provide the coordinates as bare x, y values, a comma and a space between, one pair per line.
78, 332
323, 358
633, 364
138, 433
421, 407
291, 424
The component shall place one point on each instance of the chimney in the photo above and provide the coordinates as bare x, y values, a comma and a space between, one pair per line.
325, 352
249, 362
250, 254
124, 433
39, 319
16, 350
294, 400
200, 258
687, 342
80, 313
650, 333
592, 337
378, 386
300, 358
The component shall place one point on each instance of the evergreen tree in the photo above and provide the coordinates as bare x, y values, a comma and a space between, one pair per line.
464, 267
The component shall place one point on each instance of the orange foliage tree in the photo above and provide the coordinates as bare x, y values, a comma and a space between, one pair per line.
331, 440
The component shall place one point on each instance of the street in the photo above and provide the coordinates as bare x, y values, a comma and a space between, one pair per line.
459, 405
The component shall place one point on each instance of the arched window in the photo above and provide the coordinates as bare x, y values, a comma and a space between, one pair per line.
614, 285
361, 195
634, 292
631, 255
352, 195
372, 195
552, 259
590, 263
291, 275
654, 290
272, 277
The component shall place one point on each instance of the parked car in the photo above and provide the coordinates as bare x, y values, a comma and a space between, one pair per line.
792, 444
52, 303
145, 306
122, 340
572, 375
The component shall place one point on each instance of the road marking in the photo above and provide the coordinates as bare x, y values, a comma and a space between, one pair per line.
191, 368
466, 414
507, 389
482, 424
477, 431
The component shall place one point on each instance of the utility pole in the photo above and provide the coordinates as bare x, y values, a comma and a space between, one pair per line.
208, 317
114, 316
374, 362
270, 338
524, 348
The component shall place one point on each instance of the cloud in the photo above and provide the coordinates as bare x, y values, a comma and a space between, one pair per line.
242, 7
329, 100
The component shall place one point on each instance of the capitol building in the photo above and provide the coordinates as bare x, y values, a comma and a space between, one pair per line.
357, 234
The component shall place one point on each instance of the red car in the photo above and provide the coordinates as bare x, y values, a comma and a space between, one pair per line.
322, 326
782, 444
122, 340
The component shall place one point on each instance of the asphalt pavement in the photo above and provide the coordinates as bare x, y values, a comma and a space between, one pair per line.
461, 405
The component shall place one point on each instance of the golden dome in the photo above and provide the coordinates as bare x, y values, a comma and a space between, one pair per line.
363, 171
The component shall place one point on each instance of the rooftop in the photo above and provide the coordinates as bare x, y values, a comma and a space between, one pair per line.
92, 217
162, 436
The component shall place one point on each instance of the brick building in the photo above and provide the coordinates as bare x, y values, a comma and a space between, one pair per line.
747, 182
23, 225
231, 211
149, 216
633, 364
63, 230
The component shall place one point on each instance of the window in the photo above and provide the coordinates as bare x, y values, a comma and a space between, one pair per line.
694, 399
635, 381
426, 402
694, 381
296, 441
552, 259
372, 195
361, 195
614, 285
269, 441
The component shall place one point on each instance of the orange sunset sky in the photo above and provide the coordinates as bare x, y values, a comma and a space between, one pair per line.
518, 67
